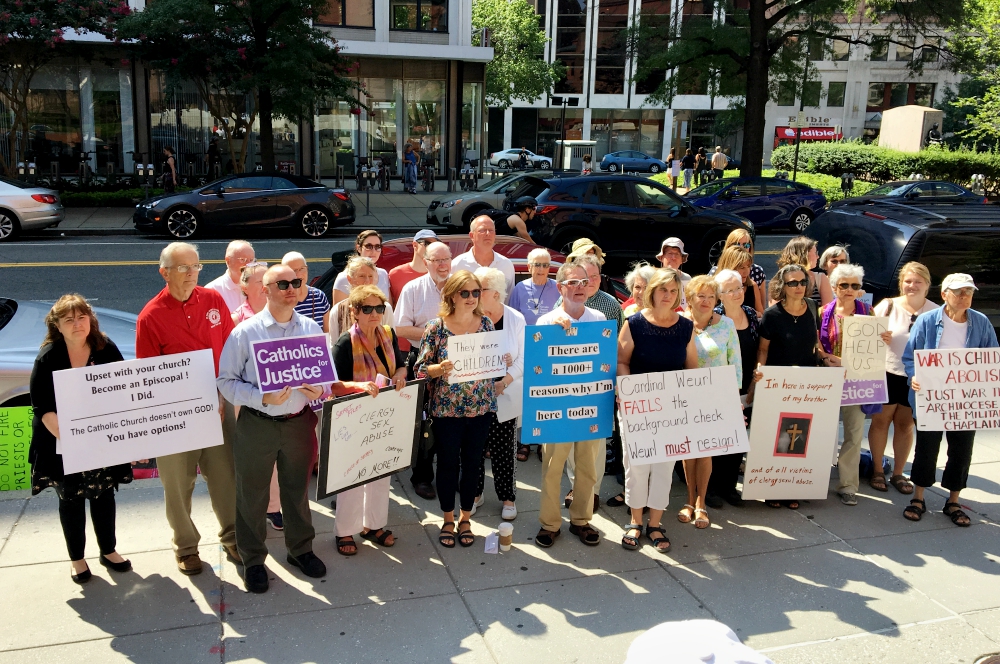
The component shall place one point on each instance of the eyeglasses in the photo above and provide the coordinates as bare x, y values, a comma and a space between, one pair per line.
846, 286
746, 245
837, 261
466, 294
545, 265
372, 247
801, 283
283, 284
961, 292
369, 308
239, 259
734, 291
576, 283
437, 260
250, 266
188, 268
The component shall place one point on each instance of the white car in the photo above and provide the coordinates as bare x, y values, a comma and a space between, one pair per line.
23, 206
511, 158
458, 209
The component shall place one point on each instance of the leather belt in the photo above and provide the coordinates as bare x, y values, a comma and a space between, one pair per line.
278, 418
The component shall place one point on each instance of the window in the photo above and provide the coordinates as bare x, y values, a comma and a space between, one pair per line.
745, 189
876, 96
945, 189
539, 7
653, 13
247, 183
879, 49
774, 187
786, 93
923, 94
811, 93
976, 253
609, 193
923, 190
898, 94
612, 26
426, 15
835, 92
841, 50
571, 194
929, 51
817, 49
350, 13
692, 80
653, 198
570, 43
282, 183
904, 50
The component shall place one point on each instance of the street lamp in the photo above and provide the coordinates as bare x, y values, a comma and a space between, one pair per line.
564, 102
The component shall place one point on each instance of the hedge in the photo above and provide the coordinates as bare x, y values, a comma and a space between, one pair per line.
120, 198
829, 185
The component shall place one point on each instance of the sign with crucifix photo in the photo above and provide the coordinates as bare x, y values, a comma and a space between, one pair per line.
793, 433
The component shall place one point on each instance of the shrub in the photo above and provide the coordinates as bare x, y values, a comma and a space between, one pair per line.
120, 198
828, 184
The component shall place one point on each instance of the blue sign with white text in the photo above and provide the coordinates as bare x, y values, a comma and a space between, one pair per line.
569, 382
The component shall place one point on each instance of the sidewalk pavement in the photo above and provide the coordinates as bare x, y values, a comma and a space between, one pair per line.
827, 583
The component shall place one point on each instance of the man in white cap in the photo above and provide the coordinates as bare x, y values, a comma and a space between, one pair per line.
238, 254
672, 255
483, 232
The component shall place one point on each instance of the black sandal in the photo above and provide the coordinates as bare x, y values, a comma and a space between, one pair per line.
446, 538
791, 504
343, 544
616, 501
656, 542
915, 510
465, 537
373, 536
546, 538
776, 504
523, 452
628, 541
587, 534
956, 514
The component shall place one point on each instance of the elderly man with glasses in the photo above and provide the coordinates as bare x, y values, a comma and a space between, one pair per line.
185, 317
239, 254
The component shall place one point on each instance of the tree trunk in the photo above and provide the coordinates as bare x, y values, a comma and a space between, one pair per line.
266, 106
753, 126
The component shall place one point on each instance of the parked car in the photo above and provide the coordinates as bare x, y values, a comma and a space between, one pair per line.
22, 329
917, 192
628, 216
767, 202
632, 160
510, 158
24, 206
256, 200
946, 237
458, 209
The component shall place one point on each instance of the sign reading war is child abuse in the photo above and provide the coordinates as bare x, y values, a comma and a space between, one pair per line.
291, 361
569, 382
959, 389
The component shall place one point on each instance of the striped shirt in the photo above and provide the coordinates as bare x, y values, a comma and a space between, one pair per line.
314, 306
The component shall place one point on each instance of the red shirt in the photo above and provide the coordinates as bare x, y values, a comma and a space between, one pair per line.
167, 326
399, 276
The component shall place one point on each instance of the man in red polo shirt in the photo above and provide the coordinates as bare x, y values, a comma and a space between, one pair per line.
181, 318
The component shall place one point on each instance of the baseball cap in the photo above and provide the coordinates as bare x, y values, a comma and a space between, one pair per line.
672, 242
425, 234
958, 280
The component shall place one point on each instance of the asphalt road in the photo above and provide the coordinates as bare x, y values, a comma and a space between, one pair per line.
121, 272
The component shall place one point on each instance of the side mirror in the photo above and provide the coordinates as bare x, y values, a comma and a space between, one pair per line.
221, 190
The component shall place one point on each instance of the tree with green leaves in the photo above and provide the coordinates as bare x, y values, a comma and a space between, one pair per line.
32, 34
518, 70
764, 41
976, 103
248, 58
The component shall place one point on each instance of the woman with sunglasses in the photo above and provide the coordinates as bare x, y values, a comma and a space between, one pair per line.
252, 285
914, 283
801, 250
368, 245
831, 258
460, 411
741, 238
366, 356
360, 271
847, 280
787, 333
536, 296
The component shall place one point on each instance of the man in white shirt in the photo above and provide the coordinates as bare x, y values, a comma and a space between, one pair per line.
484, 235
572, 281
719, 162
238, 254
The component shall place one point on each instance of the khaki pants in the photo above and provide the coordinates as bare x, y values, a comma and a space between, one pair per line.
850, 452
553, 459
178, 473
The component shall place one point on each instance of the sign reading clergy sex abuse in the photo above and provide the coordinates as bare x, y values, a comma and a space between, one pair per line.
793, 434
569, 382
681, 415
863, 356
139, 409
477, 356
959, 389
291, 361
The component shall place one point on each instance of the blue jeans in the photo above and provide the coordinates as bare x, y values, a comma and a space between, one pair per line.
410, 175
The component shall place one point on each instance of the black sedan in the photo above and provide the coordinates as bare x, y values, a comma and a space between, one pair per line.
917, 192
257, 200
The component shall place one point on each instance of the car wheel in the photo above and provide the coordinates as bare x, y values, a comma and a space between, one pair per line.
182, 223
613, 168
9, 226
314, 222
801, 220
503, 163
546, 165
655, 168
715, 250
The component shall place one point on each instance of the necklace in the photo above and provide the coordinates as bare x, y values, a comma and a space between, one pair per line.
795, 318
539, 293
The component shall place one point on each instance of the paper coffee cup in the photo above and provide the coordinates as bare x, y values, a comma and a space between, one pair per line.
506, 531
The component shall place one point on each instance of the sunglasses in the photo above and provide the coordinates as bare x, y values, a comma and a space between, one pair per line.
837, 261
372, 247
283, 284
746, 245
797, 284
846, 286
576, 283
545, 265
466, 294
369, 308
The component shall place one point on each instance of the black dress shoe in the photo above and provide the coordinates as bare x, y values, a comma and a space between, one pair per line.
309, 563
734, 498
82, 577
255, 579
123, 566
714, 501
425, 491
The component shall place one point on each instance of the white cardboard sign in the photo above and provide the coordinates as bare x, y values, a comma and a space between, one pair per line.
863, 351
477, 356
959, 389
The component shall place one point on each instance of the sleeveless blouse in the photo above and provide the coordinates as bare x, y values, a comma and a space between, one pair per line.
658, 348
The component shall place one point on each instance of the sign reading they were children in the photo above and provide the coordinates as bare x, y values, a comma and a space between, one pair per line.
291, 361
478, 356
959, 389
569, 382
863, 357
673, 415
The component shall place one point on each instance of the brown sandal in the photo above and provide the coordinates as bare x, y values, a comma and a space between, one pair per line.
877, 482
901, 484
523, 452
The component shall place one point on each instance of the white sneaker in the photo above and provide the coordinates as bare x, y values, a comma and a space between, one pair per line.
509, 512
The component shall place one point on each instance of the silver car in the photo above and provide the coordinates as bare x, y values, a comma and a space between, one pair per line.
23, 206
458, 209
22, 329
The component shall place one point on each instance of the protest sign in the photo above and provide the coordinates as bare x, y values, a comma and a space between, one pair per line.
365, 438
139, 409
291, 361
15, 438
569, 382
959, 389
796, 411
673, 415
477, 356
863, 357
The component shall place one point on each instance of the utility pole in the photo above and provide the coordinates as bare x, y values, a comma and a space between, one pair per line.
564, 102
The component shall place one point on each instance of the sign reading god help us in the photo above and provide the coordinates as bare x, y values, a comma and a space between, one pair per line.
291, 361
673, 415
477, 356
863, 357
569, 382
959, 389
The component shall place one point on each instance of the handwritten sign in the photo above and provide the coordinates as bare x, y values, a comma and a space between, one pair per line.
681, 415
15, 438
291, 361
569, 382
863, 358
365, 438
959, 389
796, 411
477, 356
139, 409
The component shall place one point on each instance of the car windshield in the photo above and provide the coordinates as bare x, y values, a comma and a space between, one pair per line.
493, 185
707, 189
889, 189
7, 310
17, 183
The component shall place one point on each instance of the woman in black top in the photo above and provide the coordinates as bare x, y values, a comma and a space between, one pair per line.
74, 340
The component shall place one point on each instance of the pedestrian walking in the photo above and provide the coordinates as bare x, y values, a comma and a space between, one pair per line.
687, 165
719, 162
169, 170
410, 161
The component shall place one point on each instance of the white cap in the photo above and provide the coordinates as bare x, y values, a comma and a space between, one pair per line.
675, 242
958, 280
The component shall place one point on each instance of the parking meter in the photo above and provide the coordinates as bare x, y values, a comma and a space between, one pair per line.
847, 183
978, 184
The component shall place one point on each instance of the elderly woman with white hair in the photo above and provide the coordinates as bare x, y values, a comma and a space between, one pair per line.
636, 280
847, 281
831, 258
537, 296
360, 271
501, 440
254, 292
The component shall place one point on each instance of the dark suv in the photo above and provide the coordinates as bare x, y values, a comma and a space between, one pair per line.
627, 216
947, 238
